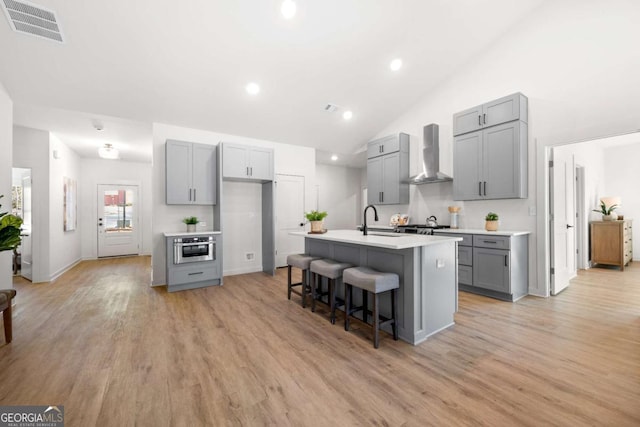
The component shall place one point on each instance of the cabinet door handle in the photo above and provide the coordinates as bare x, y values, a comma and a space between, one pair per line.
247, 170
251, 170
479, 188
505, 261
485, 188
484, 118
382, 196
193, 274
190, 194
194, 194
479, 120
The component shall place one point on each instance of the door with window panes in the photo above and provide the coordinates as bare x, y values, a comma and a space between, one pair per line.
118, 227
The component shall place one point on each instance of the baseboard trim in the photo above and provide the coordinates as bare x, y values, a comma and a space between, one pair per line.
63, 270
238, 271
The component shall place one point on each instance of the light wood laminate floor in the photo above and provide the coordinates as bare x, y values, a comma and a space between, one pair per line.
116, 352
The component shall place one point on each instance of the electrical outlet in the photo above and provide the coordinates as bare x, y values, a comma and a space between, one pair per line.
439, 263
249, 256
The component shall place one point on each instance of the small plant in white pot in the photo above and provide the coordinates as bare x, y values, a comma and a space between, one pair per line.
491, 222
607, 212
191, 222
317, 220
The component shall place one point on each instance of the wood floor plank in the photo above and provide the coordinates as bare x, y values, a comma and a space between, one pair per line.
116, 352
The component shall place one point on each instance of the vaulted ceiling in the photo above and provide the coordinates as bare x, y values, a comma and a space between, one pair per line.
187, 64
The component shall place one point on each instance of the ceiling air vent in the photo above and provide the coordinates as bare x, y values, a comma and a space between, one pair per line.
32, 19
331, 108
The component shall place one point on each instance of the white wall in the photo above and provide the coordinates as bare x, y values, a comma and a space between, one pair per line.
66, 165
576, 61
6, 148
288, 159
31, 150
99, 171
622, 178
339, 194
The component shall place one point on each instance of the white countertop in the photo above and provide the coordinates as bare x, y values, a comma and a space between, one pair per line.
194, 233
482, 231
380, 240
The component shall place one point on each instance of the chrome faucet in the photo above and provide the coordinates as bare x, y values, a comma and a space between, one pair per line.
375, 212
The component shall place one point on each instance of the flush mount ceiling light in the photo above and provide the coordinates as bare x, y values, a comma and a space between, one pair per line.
334, 157
108, 152
396, 64
347, 115
288, 9
252, 88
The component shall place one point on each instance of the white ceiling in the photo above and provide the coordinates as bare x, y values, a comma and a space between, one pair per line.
187, 64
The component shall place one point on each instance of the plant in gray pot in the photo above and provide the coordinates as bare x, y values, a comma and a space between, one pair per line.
191, 222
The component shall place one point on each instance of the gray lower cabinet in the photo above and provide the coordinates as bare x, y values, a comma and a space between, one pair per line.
494, 266
387, 170
193, 275
491, 163
190, 173
502, 110
247, 163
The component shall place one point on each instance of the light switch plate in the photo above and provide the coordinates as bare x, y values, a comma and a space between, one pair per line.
439, 263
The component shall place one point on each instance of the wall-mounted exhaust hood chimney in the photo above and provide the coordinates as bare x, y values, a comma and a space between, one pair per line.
430, 158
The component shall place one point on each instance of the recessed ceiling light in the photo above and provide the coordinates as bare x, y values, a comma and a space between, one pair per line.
253, 88
288, 9
347, 115
334, 157
396, 64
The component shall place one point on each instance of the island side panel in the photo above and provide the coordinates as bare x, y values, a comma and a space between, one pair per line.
437, 303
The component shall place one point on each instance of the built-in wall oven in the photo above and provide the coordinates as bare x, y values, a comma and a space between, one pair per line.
194, 249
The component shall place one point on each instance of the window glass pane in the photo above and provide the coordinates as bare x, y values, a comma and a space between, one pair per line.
118, 211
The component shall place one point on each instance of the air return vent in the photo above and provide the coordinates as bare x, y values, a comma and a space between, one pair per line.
32, 19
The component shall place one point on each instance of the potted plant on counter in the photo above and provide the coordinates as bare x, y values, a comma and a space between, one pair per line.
317, 220
491, 222
191, 222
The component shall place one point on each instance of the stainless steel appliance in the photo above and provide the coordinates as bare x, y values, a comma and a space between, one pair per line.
419, 228
194, 249
430, 158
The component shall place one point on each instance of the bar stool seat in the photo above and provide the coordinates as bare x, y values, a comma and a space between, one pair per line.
375, 282
302, 262
332, 270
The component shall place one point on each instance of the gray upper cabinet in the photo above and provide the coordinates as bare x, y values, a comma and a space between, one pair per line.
490, 150
190, 173
491, 163
247, 163
503, 110
387, 170
387, 145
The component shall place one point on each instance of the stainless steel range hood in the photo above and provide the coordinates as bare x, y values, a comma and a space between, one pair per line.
430, 158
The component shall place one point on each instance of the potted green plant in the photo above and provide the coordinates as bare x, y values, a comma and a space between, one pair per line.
607, 212
491, 221
317, 219
191, 222
9, 230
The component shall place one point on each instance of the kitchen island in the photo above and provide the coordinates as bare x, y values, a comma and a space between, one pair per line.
426, 265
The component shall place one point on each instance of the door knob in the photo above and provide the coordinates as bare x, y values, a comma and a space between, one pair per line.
569, 226
302, 224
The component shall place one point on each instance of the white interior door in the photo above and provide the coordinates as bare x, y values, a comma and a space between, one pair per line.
563, 214
118, 226
289, 216
26, 247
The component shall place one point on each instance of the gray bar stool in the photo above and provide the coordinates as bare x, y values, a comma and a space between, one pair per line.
375, 282
332, 270
302, 262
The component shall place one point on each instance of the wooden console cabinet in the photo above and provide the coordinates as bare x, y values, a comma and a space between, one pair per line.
611, 242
